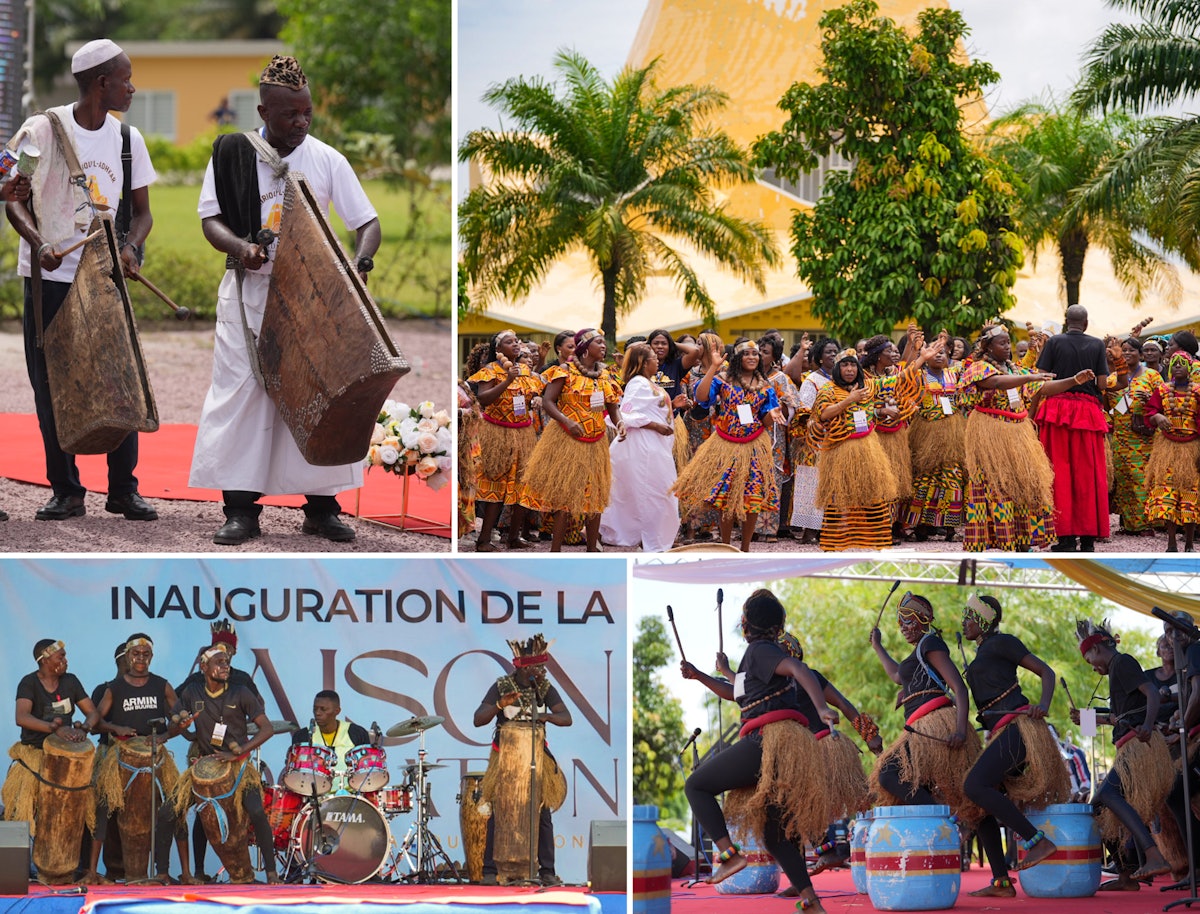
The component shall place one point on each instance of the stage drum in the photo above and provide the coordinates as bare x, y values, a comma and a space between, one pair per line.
99, 388
327, 360
133, 819
308, 769
651, 853
513, 842
761, 875
62, 812
1072, 871
214, 778
858, 850
352, 843
473, 823
367, 767
914, 860
281, 806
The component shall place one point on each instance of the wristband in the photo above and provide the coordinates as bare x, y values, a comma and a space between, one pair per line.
43, 248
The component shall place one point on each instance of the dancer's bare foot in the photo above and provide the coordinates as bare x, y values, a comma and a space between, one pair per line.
94, 878
809, 902
1155, 865
994, 889
1123, 883
1036, 854
734, 864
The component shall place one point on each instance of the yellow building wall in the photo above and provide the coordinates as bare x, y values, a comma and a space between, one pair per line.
199, 85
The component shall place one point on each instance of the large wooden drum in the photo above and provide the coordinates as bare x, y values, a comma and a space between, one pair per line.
327, 360
473, 823
139, 772
63, 803
99, 388
215, 783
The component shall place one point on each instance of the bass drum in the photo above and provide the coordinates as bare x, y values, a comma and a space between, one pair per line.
352, 843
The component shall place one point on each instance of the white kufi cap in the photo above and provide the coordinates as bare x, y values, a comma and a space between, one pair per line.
93, 54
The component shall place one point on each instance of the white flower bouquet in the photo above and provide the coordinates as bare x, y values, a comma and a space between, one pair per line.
412, 440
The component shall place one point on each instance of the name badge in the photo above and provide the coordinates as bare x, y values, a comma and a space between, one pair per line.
745, 414
218, 735
859, 416
739, 685
61, 707
1014, 397
519, 405
597, 400
947, 406
1123, 404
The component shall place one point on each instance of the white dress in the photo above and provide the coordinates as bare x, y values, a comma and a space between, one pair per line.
242, 442
805, 512
641, 509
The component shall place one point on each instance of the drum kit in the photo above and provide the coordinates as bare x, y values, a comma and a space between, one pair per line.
337, 828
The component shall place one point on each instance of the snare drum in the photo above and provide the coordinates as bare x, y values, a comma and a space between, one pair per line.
367, 769
309, 767
393, 800
281, 806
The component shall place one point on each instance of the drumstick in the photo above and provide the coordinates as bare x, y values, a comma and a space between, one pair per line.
1063, 680
671, 618
879, 618
76, 245
720, 625
181, 312
926, 735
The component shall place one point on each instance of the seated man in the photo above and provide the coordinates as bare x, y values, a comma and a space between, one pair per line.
326, 730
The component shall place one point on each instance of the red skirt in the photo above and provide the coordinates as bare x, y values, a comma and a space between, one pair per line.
1072, 427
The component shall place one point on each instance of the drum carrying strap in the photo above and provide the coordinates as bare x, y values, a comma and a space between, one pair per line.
215, 803
279, 168
151, 769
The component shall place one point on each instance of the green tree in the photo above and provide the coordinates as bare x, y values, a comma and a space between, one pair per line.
1056, 151
379, 67
1142, 67
658, 729
621, 169
921, 225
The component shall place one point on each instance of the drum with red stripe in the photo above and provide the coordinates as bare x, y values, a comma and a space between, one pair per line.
761, 875
913, 859
858, 850
1072, 871
651, 852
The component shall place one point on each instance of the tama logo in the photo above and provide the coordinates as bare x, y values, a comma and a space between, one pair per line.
343, 817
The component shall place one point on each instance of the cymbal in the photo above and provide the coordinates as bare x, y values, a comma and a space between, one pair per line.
410, 769
277, 727
415, 725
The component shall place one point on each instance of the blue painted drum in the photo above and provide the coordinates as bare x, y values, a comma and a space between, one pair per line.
858, 850
761, 875
651, 854
1072, 871
913, 860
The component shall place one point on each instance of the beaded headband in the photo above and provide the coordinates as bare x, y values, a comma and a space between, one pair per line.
745, 346
49, 650
978, 610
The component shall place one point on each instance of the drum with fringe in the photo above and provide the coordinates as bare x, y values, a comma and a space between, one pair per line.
147, 782
217, 787
65, 806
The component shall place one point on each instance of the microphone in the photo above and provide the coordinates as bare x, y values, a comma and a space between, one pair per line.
691, 739
720, 596
376, 734
1184, 628
312, 725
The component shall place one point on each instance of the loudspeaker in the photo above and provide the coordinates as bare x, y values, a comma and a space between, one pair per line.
14, 858
608, 856
683, 855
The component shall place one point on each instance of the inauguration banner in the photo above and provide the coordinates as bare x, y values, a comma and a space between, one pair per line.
395, 637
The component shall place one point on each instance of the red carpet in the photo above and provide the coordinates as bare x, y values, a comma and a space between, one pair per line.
165, 458
836, 889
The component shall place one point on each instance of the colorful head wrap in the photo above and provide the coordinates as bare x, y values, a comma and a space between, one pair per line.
915, 606
1178, 357
585, 336
496, 339
980, 611
744, 346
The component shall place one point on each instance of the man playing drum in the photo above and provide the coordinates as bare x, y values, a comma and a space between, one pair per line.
338, 735
221, 713
103, 73
243, 446
525, 695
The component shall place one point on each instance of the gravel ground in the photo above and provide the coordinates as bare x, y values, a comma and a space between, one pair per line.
179, 362
1115, 544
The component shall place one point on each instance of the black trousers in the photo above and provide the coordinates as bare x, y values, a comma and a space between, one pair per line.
61, 471
252, 802
1003, 755
740, 766
239, 503
545, 844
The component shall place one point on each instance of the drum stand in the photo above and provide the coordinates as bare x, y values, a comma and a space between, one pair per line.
308, 855
428, 849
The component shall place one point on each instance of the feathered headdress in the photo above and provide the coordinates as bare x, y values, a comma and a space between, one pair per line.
223, 633
531, 652
1091, 633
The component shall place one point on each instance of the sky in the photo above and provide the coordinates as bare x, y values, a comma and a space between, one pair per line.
1034, 44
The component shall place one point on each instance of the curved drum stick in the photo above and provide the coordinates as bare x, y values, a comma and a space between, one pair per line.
1063, 680
181, 312
720, 624
879, 618
671, 619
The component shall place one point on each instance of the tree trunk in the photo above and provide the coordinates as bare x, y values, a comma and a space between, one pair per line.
608, 318
1072, 249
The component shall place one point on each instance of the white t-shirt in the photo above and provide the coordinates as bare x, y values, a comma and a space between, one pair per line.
329, 176
99, 153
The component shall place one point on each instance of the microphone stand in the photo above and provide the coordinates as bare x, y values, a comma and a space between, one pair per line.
154, 796
697, 831
1192, 635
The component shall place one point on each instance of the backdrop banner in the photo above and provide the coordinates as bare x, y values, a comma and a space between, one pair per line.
395, 637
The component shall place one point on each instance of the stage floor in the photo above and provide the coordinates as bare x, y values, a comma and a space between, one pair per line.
311, 899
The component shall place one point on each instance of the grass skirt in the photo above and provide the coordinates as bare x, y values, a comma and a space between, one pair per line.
19, 794
566, 474
854, 474
1147, 775
937, 444
553, 787
1173, 463
792, 778
897, 447
1043, 779
736, 479
503, 455
932, 764
112, 780
183, 797
681, 448
845, 781
1009, 457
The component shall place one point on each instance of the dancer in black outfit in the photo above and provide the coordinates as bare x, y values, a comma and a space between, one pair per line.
1021, 766
774, 771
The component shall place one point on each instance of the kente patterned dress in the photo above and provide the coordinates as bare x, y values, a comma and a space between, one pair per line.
732, 471
567, 473
806, 513
698, 424
1131, 451
788, 396
855, 481
1009, 502
1172, 479
506, 434
936, 443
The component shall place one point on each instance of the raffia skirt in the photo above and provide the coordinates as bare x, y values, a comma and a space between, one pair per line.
566, 474
503, 455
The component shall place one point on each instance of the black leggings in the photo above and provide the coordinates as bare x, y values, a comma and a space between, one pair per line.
908, 794
1004, 755
739, 766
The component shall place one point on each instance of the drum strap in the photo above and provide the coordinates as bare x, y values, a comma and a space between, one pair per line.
215, 803
38, 776
151, 769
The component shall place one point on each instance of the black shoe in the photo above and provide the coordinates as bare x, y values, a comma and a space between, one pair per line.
133, 506
549, 878
60, 507
330, 527
3, 516
237, 530
489, 879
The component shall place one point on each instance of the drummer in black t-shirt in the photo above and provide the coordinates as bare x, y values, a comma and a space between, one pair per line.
47, 699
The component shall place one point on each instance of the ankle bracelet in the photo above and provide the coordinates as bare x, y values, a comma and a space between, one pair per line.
825, 848
733, 851
805, 903
1002, 883
1037, 836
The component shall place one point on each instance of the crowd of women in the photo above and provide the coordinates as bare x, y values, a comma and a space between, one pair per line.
679, 440
790, 774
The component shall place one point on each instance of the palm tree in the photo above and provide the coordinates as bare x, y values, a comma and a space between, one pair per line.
1056, 151
1154, 64
621, 169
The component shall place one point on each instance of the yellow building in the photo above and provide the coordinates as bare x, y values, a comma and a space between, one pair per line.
181, 84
